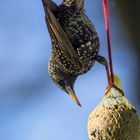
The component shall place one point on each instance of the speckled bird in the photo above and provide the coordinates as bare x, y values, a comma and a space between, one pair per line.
75, 43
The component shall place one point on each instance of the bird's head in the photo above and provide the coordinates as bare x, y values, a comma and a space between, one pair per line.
66, 83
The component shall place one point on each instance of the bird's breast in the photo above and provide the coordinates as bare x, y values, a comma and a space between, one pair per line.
82, 35
83, 38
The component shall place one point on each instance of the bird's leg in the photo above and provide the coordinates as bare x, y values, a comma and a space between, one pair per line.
104, 62
111, 84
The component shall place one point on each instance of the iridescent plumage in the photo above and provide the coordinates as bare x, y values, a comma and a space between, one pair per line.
75, 43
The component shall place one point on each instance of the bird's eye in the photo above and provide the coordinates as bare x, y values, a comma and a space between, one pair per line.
62, 83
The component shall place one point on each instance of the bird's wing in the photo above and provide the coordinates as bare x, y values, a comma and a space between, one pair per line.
61, 39
50, 4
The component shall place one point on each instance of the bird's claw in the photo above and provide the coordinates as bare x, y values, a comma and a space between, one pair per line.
114, 86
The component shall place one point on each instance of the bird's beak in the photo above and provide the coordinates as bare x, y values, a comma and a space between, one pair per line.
72, 94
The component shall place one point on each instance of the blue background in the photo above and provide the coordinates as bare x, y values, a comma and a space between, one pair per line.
31, 106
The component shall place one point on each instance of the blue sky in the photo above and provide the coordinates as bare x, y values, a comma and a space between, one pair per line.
31, 106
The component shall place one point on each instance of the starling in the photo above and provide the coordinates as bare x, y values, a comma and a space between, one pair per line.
75, 43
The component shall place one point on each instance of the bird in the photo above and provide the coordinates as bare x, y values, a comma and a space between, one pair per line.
75, 44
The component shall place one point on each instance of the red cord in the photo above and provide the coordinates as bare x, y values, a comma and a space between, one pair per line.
105, 6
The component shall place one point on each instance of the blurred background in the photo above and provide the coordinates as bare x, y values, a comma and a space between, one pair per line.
31, 106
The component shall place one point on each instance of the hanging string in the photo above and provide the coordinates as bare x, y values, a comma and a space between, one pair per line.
105, 6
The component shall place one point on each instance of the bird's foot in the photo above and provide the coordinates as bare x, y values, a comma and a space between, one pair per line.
113, 86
